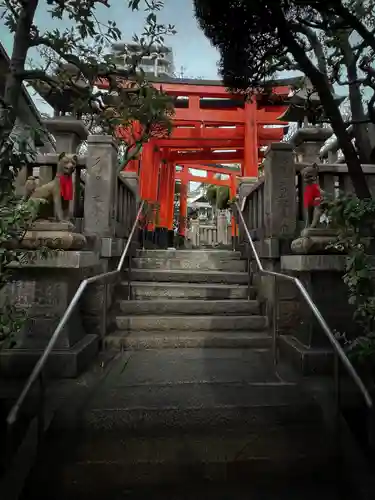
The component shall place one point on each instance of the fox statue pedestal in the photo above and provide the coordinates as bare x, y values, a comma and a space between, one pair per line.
42, 290
53, 235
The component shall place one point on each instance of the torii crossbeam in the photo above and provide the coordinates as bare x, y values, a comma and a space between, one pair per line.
210, 126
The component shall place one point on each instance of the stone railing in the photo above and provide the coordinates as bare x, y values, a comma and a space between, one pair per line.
277, 221
254, 209
103, 211
126, 203
210, 235
207, 235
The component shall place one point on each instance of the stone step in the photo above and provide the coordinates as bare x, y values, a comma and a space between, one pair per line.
187, 377
179, 339
120, 463
179, 263
182, 417
165, 290
185, 307
221, 490
197, 255
190, 323
187, 276
192, 409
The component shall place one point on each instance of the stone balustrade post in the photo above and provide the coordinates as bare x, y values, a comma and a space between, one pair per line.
244, 186
279, 191
101, 186
132, 181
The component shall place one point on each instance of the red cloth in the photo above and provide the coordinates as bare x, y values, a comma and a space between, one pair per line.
311, 197
66, 187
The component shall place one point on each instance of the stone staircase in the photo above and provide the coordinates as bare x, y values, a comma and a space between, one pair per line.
190, 406
188, 299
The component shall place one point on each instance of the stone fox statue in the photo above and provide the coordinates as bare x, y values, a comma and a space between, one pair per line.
312, 196
57, 190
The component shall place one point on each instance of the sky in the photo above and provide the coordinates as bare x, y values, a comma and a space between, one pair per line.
193, 54
192, 50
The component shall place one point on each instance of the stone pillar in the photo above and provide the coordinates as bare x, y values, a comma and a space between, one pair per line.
132, 181
222, 228
194, 232
280, 191
302, 340
308, 141
101, 186
244, 187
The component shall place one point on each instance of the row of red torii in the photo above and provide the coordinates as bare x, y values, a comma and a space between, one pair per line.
212, 129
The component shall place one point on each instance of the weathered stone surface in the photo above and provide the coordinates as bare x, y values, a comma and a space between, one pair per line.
131, 181
279, 191
72, 259
191, 323
322, 277
43, 299
306, 360
209, 291
41, 292
315, 241
62, 363
101, 186
313, 262
187, 307
187, 276
56, 240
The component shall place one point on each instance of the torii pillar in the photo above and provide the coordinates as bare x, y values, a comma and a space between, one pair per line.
170, 202
250, 163
162, 219
149, 182
183, 200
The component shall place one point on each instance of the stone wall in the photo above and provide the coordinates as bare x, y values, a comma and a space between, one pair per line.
274, 214
43, 289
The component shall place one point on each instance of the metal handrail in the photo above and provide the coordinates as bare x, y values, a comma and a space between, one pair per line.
12, 416
314, 309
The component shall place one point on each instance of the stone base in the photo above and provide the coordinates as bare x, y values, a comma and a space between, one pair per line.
62, 363
306, 360
54, 235
314, 241
161, 237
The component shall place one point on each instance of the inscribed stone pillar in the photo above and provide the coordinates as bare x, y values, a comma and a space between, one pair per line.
279, 191
101, 186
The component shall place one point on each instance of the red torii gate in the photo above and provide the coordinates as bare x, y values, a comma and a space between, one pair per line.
210, 126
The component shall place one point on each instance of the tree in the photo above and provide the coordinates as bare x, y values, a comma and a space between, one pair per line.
71, 62
257, 40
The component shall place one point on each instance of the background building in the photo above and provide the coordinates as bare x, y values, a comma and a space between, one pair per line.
158, 63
